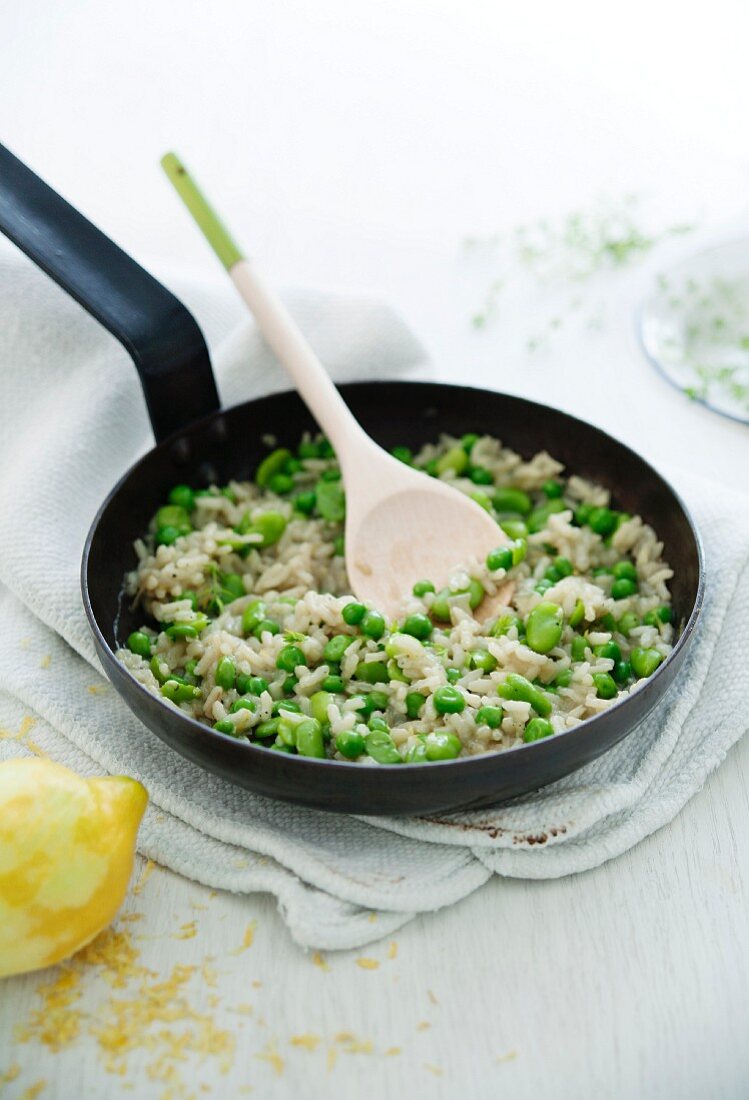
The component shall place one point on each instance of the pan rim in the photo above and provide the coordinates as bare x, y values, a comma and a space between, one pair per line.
473, 763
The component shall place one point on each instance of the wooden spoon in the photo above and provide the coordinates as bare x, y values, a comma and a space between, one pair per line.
401, 525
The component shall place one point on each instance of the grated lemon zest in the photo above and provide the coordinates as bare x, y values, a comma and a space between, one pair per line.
307, 1041
367, 964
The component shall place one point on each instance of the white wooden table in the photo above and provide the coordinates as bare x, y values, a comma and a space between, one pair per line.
355, 147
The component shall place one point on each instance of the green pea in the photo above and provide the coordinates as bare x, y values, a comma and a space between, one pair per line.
582, 514
289, 658
373, 624
225, 726
326, 448
454, 461
448, 700
286, 706
563, 679
514, 528
191, 676
139, 643
512, 500
252, 615
479, 475
499, 559
172, 515
336, 647
414, 702
381, 747
442, 745
292, 466
270, 525
608, 622
543, 627
453, 675
468, 441
350, 743
418, 626
422, 587
657, 615
308, 449
517, 687
403, 454
339, 546
578, 613
564, 567
229, 493
543, 586
330, 475
625, 569
483, 659
242, 704
232, 586
309, 739
440, 608
602, 521
416, 754
552, 575
374, 700
627, 623
378, 723
552, 489
251, 685
431, 467
272, 464
605, 685
623, 588
268, 728
372, 672
602, 571
609, 650
331, 501
266, 626
579, 646
395, 673
476, 592
305, 502
183, 497
333, 684
540, 516
187, 630
504, 625
353, 613
281, 484
622, 672
167, 536
536, 729
489, 716
179, 693
644, 661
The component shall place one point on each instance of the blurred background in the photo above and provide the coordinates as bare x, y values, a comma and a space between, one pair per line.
361, 146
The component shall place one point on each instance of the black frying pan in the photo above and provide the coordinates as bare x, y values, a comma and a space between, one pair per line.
199, 443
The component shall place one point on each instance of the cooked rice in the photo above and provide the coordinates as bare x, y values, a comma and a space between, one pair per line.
302, 580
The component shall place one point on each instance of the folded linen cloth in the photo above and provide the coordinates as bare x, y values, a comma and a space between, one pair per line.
71, 420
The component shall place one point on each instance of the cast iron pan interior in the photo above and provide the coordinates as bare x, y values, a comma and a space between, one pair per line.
200, 445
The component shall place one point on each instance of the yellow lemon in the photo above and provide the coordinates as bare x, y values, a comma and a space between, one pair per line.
66, 855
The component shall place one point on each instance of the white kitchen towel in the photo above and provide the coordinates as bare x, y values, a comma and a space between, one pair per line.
71, 420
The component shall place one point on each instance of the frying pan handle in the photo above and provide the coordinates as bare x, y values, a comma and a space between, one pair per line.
159, 333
